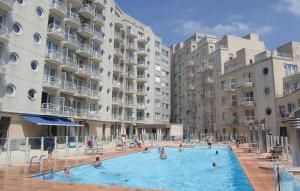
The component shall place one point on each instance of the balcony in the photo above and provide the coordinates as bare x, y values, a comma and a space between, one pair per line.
67, 87
115, 117
55, 32
100, 3
81, 91
142, 52
131, 34
72, 19
190, 63
141, 92
130, 90
85, 30
87, 11
118, 22
95, 75
247, 102
58, 8
99, 19
70, 41
207, 67
129, 104
51, 82
118, 37
130, 75
83, 71
98, 37
142, 65
140, 119
130, 61
66, 111
191, 87
118, 52
4, 34
84, 50
141, 106
117, 85
208, 110
131, 47
53, 56
191, 75
208, 95
246, 83
141, 78
142, 40
230, 87
117, 68
208, 80
49, 108
94, 94
81, 113
249, 120
96, 55
69, 64
128, 119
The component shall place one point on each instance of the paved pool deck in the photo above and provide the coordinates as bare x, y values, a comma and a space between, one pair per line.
13, 178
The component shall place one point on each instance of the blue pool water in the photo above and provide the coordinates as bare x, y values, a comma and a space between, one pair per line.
190, 170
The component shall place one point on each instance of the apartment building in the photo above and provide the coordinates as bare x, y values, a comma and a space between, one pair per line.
80, 67
196, 65
248, 88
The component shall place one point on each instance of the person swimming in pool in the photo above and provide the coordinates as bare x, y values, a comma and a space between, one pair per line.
163, 155
97, 163
215, 165
66, 171
180, 147
146, 150
217, 152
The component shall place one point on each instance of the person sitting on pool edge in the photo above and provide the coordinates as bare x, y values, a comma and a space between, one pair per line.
180, 147
97, 163
66, 171
163, 155
215, 165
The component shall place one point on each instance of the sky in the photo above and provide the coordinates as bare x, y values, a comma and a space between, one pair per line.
276, 21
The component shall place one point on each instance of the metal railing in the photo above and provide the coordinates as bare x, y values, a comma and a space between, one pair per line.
58, 5
4, 31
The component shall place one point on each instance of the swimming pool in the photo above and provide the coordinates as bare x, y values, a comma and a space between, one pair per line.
190, 170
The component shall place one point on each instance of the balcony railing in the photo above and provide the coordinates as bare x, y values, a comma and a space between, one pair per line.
249, 119
140, 118
70, 62
117, 68
95, 74
117, 84
141, 91
141, 77
247, 101
84, 48
81, 90
68, 86
141, 106
130, 60
230, 87
56, 30
4, 32
73, 17
128, 118
84, 69
49, 108
94, 93
57, 5
98, 36
130, 89
54, 54
130, 75
115, 116
129, 104
2, 66
71, 38
99, 18
51, 81
96, 55
88, 10
246, 83
118, 36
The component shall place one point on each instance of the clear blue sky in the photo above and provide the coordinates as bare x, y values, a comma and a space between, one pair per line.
277, 21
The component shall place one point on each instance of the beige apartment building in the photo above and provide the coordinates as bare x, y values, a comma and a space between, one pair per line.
228, 85
80, 67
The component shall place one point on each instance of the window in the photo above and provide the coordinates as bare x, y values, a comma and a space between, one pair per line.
157, 44
39, 11
265, 71
290, 69
157, 67
21, 2
157, 90
32, 94
13, 58
10, 90
17, 28
267, 91
268, 111
34, 65
157, 103
157, 55
157, 79
157, 116
37, 38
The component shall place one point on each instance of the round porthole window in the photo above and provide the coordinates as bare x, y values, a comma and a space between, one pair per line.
108, 91
21, 2
13, 58
39, 11
32, 94
108, 74
37, 38
17, 28
100, 88
265, 71
10, 90
267, 91
34, 65
268, 111
107, 109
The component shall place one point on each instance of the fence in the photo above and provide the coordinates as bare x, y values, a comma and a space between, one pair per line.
20, 151
285, 179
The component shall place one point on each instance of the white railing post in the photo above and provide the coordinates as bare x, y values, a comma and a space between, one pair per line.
42, 145
286, 147
8, 154
76, 143
26, 150
67, 148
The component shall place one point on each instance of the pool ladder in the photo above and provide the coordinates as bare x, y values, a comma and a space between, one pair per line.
40, 166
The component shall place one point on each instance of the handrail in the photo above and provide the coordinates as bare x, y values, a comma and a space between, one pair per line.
41, 163
30, 164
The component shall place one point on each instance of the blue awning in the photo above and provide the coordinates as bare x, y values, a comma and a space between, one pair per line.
50, 120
